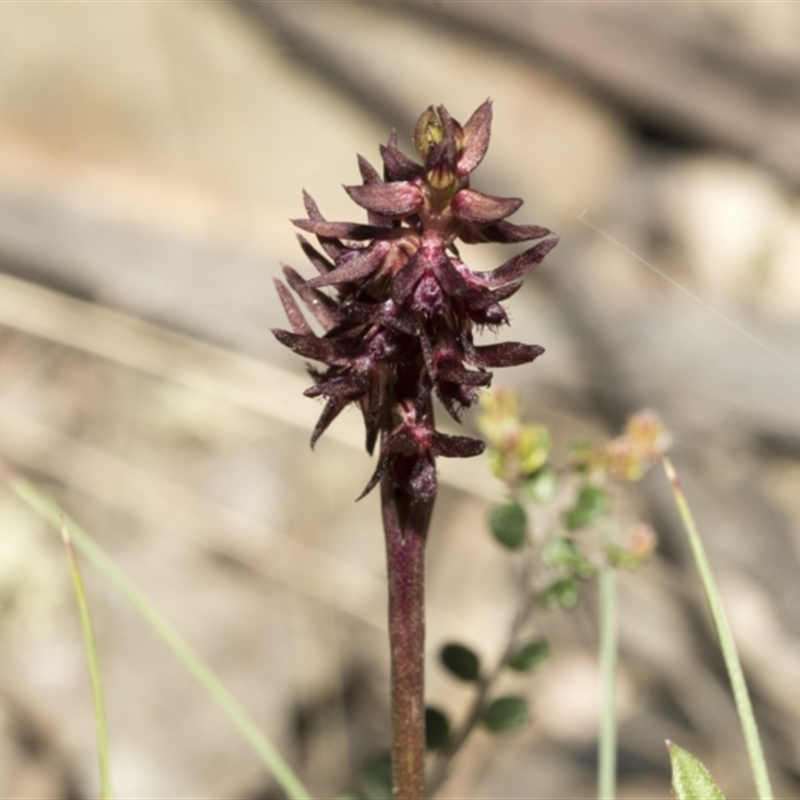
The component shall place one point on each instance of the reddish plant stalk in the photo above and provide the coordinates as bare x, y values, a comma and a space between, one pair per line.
406, 530
397, 330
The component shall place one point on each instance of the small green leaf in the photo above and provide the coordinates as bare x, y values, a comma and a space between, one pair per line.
620, 558
638, 550
496, 462
437, 729
533, 447
461, 662
541, 486
561, 551
581, 456
563, 593
528, 656
592, 503
506, 714
509, 525
377, 777
690, 779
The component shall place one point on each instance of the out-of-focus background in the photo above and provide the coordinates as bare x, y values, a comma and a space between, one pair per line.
150, 157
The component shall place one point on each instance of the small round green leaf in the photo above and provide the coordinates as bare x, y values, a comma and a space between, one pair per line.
528, 656
561, 551
506, 714
690, 779
541, 486
563, 593
509, 525
461, 662
377, 777
592, 503
437, 729
558, 551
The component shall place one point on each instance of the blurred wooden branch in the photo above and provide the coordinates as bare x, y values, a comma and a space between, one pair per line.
671, 66
163, 505
221, 373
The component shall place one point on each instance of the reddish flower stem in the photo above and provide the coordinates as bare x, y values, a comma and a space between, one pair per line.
406, 527
398, 329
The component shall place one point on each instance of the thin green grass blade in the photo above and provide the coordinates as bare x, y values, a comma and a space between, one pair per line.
50, 511
608, 620
741, 696
94, 666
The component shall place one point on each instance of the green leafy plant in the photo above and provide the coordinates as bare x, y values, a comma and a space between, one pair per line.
741, 696
554, 563
690, 779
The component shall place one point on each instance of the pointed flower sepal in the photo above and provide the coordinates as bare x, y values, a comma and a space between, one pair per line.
397, 307
408, 454
398, 199
482, 209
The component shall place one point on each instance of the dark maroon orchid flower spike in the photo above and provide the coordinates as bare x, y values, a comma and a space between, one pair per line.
398, 328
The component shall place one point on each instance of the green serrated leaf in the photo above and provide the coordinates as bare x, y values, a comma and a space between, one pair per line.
564, 593
462, 662
528, 656
377, 777
591, 505
509, 525
437, 729
506, 714
690, 779
541, 486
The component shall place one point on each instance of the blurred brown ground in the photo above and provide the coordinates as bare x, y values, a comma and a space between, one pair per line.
150, 157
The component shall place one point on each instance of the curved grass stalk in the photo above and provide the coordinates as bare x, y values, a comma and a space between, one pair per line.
741, 696
52, 513
608, 619
94, 666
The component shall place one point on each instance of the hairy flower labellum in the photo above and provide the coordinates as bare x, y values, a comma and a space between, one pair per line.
399, 323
